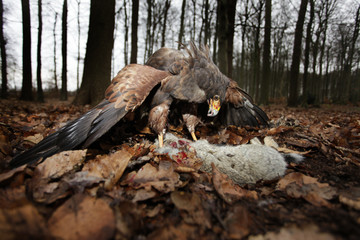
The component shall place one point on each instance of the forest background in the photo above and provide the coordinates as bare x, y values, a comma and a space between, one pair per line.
299, 52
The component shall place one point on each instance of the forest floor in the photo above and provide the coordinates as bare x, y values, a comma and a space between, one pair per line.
125, 190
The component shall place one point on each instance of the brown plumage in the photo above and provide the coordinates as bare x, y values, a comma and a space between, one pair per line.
171, 78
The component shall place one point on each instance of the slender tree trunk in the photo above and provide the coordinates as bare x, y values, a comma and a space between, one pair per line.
181, 32
4, 79
26, 90
294, 72
166, 10
63, 94
55, 67
78, 46
40, 93
134, 27
350, 58
215, 53
207, 23
226, 11
307, 52
97, 65
126, 38
266, 76
148, 30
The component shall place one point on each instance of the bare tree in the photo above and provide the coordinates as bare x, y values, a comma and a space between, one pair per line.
264, 99
26, 90
4, 78
55, 67
126, 37
181, 32
40, 93
307, 51
97, 65
166, 10
225, 32
134, 27
78, 46
294, 74
63, 94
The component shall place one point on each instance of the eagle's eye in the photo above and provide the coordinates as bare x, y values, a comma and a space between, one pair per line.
216, 98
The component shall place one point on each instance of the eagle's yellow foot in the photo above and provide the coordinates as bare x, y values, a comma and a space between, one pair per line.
161, 140
193, 136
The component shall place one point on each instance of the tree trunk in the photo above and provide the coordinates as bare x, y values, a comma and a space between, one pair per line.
148, 30
63, 94
166, 10
294, 72
226, 11
207, 23
134, 27
97, 65
26, 90
266, 75
78, 46
307, 52
126, 38
40, 93
181, 32
4, 79
55, 67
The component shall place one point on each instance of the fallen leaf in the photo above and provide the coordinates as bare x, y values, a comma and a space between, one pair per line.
61, 163
22, 222
298, 185
163, 179
191, 203
238, 222
7, 175
108, 167
83, 217
351, 197
295, 233
227, 189
35, 139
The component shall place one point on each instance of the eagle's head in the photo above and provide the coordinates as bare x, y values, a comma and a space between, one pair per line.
208, 77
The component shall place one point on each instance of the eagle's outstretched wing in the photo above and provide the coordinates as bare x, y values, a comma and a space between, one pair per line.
127, 91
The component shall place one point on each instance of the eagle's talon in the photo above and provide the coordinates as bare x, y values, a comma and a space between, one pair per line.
193, 136
161, 140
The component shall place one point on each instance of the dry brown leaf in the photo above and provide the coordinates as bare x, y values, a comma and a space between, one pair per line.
61, 163
351, 197
11, 197
7, 175
22, 222
83, 217
298, 185
109, 167
227, 189
238, 222
5, 146
191, 203
163, 179
295, 233
35, 139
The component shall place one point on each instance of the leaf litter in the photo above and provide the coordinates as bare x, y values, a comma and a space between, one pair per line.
123, 187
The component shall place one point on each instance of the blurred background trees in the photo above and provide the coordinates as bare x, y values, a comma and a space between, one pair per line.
299, 52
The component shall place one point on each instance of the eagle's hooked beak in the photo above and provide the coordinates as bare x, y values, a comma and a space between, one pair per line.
214, 106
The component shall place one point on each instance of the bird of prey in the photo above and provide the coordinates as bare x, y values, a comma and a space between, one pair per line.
169, 77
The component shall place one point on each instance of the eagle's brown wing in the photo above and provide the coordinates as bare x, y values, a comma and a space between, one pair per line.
127, 91
239, 109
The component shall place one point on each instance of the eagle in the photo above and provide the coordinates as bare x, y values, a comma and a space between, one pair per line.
187, 81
